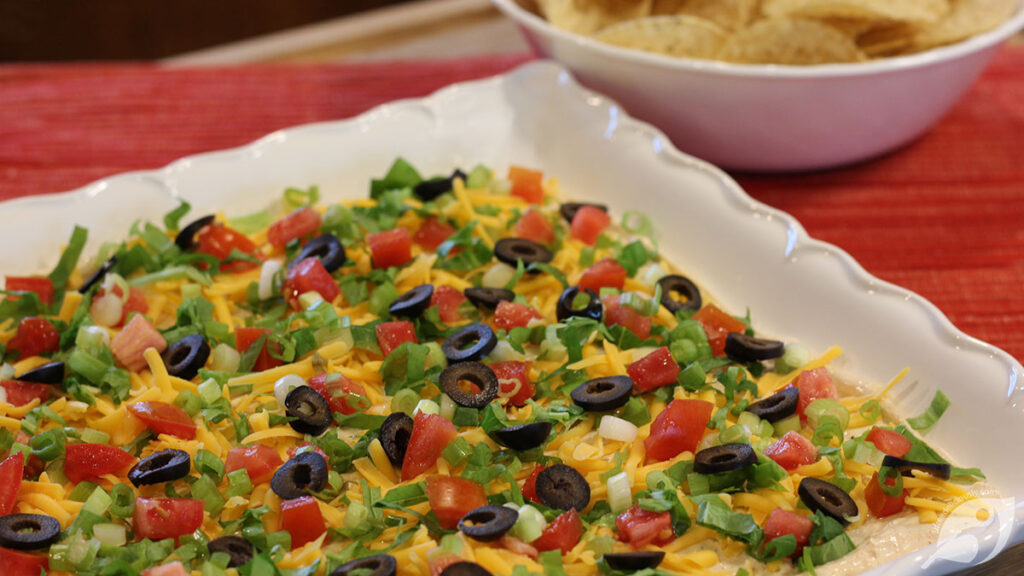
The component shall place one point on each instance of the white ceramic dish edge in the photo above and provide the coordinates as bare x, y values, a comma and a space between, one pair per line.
537, 115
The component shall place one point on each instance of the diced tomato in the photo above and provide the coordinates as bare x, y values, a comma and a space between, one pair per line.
641, 527
130, 344
301, 518
562, 534
588, 223
337, 390
889, 442
530, 486
15, 563
792, 451
244, 339
432, 233
509, 315
301, 222
430, 434
533, 226
159, 518
814, 384
258, 460
880, 503
164, 418
512, 375
782, 522
390, 248
451, 498
42, 286
527, 184
173, 569
448, 300
655, 370
20, 393
35, 336
678, 428
90, 461
717, 325
219, 241
616, 313
309, 275
11, 470
605, 273
391, 335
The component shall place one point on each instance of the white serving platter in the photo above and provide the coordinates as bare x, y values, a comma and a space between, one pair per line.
744, 253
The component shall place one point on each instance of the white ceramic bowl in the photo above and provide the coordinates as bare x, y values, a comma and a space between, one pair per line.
770, 117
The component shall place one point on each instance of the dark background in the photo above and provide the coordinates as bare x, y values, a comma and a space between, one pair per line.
55, 30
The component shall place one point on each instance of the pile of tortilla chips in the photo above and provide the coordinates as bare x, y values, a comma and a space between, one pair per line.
792, 32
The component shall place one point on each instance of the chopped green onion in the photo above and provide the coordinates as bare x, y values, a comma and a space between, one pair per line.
530, 525
205, 489
91, 436
189, 401
48, 445
435, 356
426, 406
252, 223
620, 496
871, 411
224, 358
793, 356
734, 435
355, 515
478, 177
297, 198
457, 451
82, 491
189, 291
817, 410
123, 503
309, 299
110, 535
787, 424
447, 407
98, 502
210, 391
208, 463
404, 401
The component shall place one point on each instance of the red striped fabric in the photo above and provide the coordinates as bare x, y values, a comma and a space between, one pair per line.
940, 217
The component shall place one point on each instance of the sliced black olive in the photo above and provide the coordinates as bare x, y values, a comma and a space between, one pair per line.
488, 523
412, 303
472, 342
830, 499
28, 531
298, 477
488, 297
428, 190
562, 487
602, 394
186, 239
568, 210
327, 248
512, 250
943, 471
185, 357
724, 458
465, 569
743, 348
634, 561
565, 309
163, 466
479, 374
51, 373
376, 565
682, 286
394, 436
98, 275
237, 548
780, 405
311, 412
523, 436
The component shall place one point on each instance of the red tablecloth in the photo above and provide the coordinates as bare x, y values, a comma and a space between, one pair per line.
942, 217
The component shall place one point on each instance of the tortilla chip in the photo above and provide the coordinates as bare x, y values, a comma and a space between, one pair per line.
908, 11
729, 14
967, 18
790, 41
684, 36
589, 16
887, 40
